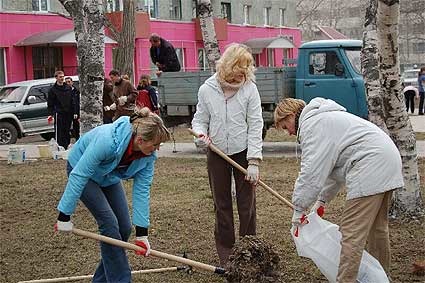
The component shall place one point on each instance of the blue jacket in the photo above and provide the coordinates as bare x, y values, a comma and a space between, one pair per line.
96, 156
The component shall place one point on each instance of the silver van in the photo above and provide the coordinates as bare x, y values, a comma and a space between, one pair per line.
23, 109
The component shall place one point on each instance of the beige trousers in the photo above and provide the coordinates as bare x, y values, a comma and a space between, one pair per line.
364, 218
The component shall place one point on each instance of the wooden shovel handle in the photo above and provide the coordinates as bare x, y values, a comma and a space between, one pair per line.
155, 253
243, 170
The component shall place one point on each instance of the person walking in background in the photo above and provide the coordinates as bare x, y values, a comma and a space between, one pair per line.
163, 55
97, 164
421, 83
148, 95
76, 103
107, 100
124, 96
61, 109
410, 92
229, 115
342, 150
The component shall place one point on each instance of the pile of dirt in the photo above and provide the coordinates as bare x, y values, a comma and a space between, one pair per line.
253, 260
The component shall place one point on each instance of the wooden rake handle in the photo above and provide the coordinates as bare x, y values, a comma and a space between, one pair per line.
243, 170
155, 253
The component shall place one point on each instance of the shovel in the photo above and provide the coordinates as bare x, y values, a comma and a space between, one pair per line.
319, 239
129, 246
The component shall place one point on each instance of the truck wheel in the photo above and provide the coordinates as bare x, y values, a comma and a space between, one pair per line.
47, 136
8, 133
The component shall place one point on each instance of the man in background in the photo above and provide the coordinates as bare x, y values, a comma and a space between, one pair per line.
163, 55
76, 103
61, 109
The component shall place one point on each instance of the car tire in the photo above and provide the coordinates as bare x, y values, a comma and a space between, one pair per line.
8, 133
47, 136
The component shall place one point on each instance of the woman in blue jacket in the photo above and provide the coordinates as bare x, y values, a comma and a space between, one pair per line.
96, 165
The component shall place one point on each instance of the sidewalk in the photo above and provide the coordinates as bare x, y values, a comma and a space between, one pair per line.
188, 150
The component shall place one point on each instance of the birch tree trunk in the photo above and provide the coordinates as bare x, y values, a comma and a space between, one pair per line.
208, 32
87, 16
387, 107
125, 53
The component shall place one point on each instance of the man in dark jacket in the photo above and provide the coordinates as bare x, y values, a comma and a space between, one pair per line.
61, 107
76, 102
163, 55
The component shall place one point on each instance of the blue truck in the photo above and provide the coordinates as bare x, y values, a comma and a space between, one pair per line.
325, 68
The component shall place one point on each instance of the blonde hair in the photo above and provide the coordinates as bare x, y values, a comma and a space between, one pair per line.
237, 58
148, 125
145, 80
286, 107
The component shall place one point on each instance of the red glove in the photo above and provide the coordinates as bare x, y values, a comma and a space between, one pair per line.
319, 208
143, 243
50, 120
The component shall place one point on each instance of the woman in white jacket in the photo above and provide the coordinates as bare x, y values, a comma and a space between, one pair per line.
339, 149
229, 115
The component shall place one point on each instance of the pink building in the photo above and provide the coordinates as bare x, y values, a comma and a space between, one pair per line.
35, 45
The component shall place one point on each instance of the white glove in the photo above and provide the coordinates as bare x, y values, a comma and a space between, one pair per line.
122, 100
253, 174
75, 116
64, 226
113, 106
144, 243
203, 141
299, 218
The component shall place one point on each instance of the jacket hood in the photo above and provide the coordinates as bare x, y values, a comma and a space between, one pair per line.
213, 83
319, 105
121, 133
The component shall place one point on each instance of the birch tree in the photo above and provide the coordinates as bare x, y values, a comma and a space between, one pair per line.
87, 16
208, 32
386, 102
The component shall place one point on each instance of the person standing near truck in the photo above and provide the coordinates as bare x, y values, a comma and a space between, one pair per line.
421, 85
148, 95
124, 96
340, 149
163, 55
61, 108
229, 115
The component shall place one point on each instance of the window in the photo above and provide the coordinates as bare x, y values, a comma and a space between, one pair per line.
195, 10
323, 63
281, 17
40, 5
226, 11
40, 92
114, 5
151, 6
180, 56
45, 61
246, 12
176, 10
202, 60
267, 16
2, 67
270, 57
419, 47
353, 56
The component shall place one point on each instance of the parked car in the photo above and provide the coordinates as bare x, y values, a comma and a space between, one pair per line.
410, 77
23, 110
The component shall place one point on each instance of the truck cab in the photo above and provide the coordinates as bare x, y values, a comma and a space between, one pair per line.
331, 69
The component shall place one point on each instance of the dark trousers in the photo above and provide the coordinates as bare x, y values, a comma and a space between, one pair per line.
76, 128
219, 173
409, 98
62, 128
421, 102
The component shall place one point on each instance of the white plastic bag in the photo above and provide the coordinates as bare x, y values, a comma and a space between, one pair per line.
320, 240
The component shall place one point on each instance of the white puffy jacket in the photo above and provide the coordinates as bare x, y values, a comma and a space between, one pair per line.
233, 124
339, 148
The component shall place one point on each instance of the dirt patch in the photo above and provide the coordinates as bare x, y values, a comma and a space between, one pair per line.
253, 260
